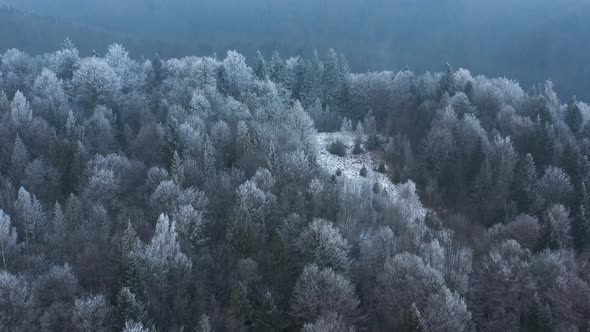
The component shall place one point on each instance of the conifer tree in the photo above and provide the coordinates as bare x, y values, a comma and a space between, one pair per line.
130, 268
277, 70
260, 69
172, 143
524, 186
204, 324
128, 308
581, 229
177, 169
19, 160
414, 321
267, 316
4, 103
573, 116
8, 244
446, 83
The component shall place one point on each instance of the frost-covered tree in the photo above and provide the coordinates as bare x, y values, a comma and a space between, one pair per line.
500, 287
447, 311
95, 82
21, 111
556, 229
238, 75
163, 255
128, 308
30, 217
524, 186
329, 323
573, 116
260, 68
49, 96
165, 272
554, 187
408, 279
65, 61
17, 302
321, 292
19, 159
323, 245
277, 69
91, 313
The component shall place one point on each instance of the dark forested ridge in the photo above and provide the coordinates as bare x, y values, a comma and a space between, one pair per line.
203, 194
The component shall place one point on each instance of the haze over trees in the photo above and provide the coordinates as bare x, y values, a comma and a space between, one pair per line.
191, 194
526, 40
300, 165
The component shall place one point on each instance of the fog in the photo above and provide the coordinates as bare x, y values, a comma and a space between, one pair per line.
529, 40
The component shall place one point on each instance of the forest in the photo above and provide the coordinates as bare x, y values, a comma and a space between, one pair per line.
206, 194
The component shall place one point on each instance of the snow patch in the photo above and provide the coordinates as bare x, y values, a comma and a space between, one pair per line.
351, 164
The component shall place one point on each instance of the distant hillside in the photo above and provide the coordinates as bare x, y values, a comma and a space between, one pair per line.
559, 49
38, 34
532, 42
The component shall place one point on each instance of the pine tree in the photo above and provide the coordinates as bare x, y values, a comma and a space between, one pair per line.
131, 277
542, 110
158, 67
177, 169
68, 44
573, 116
473, 163
581, 222
272, 159
222, 81
581, 229
311, 88
243, 139
357, 149
21, 111
482, 186
172, 143
381, 168
19, 160
446, 83
363, 172
260, 69
267, 317
332, 81
370, 123
241, 303
414, 321
204, 325
569, 162
58, 230
524, 187
31, 217
277, 70
547, 240
73, 174
543, 142
538, 318
4, 103
8, 242
209, 158
128, 308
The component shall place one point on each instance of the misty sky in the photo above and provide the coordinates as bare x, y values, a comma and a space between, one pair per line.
523, 40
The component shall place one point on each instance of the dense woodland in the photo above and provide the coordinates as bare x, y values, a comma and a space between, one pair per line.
187, 195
